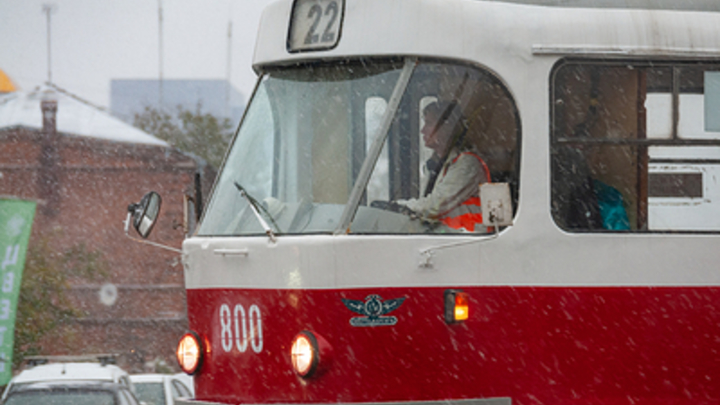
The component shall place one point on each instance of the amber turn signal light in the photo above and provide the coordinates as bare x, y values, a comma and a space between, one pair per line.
457, 308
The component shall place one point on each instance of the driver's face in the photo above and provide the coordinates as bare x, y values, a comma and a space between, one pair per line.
436, 140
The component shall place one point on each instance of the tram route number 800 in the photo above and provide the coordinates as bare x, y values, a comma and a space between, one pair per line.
241, 329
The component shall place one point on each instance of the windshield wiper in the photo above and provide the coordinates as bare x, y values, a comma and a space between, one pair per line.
256, 206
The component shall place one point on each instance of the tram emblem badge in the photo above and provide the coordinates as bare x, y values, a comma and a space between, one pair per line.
373, 309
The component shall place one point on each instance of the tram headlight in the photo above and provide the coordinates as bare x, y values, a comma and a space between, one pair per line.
190, 353
310, 354
304, 353
457, 308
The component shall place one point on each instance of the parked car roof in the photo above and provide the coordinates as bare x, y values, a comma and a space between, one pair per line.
188, 380
65, 372
71, 371
70, 393
162, 389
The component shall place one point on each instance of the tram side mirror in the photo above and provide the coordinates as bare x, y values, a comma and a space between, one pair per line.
496, 204
145, 213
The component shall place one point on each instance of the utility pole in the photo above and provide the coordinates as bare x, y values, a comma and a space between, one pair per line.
160, 55
229, 70
48, 10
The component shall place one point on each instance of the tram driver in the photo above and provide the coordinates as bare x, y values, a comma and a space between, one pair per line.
451, 194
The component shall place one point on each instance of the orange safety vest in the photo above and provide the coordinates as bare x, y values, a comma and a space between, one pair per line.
469, 212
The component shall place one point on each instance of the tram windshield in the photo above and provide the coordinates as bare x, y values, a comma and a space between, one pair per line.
308, 135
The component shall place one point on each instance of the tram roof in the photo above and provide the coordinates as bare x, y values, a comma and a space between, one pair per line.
679, 5
500, 33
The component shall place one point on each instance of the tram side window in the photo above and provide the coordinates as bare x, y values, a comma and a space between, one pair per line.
490, 120
377, 188
636, 147
480, 122
425, 152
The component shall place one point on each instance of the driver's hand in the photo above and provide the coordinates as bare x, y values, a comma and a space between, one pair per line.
379, 204
402, 209
394, 207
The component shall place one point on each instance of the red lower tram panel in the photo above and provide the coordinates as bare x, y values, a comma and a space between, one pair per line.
532, 345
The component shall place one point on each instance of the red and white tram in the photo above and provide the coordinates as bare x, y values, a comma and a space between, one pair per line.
598, 283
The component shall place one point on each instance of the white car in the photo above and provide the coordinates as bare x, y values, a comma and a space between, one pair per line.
162, 389
69, 372
71, 393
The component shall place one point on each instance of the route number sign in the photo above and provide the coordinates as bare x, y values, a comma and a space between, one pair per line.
315, 25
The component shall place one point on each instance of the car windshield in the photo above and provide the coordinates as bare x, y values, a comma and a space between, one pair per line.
150, 393
305, 158
62, 398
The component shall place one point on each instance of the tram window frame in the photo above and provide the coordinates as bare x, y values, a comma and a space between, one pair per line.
569, 142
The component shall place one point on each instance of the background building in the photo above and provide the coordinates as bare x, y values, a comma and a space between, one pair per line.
84, 167
216, 97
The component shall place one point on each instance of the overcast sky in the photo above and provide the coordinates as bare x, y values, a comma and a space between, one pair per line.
94, 41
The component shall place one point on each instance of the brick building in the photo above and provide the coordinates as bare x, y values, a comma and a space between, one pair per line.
84, 167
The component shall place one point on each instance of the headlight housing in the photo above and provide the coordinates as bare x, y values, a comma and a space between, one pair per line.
305, 354
190, 353
310, 354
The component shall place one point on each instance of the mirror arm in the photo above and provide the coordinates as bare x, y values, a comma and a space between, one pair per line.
198, 197
147, 242
186, 217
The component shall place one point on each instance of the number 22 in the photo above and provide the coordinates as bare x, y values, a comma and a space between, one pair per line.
316, 12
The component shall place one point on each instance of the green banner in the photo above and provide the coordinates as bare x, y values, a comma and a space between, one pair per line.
16, 218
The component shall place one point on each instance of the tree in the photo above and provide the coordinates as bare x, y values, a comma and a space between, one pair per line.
43, 304
199, 133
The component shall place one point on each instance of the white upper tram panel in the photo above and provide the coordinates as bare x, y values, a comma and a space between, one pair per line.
504, 30
520, 44
699, 5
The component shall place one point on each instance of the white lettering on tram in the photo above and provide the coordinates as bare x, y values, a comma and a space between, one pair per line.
315, 14
256, 329
241, 344
238, 323
226, 333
